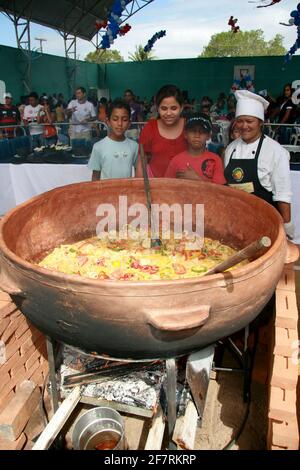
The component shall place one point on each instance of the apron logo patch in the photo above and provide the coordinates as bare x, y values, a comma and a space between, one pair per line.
238, 174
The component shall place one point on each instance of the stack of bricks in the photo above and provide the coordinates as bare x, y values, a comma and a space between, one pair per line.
16, 414
283, 431
23, 353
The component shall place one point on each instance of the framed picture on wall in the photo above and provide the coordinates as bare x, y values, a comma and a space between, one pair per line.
243, 71
103, 93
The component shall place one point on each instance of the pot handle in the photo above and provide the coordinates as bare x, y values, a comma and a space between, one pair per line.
11, 290
179, 320
292, 254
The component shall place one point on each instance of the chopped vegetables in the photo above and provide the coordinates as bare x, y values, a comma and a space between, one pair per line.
131, 260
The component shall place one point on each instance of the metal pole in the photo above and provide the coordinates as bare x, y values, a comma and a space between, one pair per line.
52, 375
171, 399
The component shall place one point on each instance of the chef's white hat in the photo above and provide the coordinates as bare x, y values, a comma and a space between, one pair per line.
250, 104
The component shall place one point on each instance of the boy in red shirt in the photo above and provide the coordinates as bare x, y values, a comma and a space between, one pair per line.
197, 162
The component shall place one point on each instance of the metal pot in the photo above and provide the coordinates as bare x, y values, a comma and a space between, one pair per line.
100, 428
138, 320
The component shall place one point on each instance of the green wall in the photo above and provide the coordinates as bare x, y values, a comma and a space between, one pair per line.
198, 76
49, 73
9, 58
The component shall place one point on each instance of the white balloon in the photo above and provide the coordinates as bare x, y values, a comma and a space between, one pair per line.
292, 21
111, 40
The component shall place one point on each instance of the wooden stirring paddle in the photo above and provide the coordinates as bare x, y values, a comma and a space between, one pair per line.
245, 253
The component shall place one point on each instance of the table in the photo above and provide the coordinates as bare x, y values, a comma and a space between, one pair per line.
7, 197
18, 183
295, 176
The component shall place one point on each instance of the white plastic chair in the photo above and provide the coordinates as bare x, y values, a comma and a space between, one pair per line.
295, 139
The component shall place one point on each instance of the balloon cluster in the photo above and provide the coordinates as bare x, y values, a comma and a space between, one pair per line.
247, 80
124, 29
112, 24
293, 21
154, 38
100, 24
269, 4
232, 22
295, 16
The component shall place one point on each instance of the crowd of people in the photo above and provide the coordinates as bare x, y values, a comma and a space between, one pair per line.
176, 139
44, 117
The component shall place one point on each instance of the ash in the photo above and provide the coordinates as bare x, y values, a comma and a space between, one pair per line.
140, 388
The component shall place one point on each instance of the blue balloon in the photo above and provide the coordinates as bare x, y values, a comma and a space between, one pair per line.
294, 13
298, 7
297, 21
154, 38
117, 8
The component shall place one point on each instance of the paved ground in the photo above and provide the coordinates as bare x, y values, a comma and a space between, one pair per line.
225, 412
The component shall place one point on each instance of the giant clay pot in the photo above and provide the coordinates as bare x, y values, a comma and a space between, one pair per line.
138, 320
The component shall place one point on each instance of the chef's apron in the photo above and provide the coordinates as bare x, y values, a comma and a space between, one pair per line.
243, 174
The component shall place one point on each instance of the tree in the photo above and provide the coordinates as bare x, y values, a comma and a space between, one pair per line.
140, 55
243, 44
104, 56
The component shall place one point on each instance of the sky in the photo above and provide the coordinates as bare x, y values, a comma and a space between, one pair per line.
189, 25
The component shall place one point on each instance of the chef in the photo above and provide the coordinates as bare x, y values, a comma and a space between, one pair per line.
257, 164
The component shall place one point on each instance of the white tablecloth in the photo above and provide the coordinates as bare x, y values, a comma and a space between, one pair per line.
295, 175
21, 182
7, 197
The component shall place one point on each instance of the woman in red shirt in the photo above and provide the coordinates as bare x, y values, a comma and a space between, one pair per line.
163, 138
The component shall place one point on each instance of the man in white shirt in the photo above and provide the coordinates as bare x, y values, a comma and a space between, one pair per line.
82, 112
31, 117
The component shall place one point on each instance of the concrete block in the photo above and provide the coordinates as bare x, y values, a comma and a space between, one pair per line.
282, 404
286, 434
286, 310
287, 281
285, 373
285, 339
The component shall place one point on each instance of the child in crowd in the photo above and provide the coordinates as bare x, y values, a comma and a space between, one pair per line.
233, 132
115, 156
197, 162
